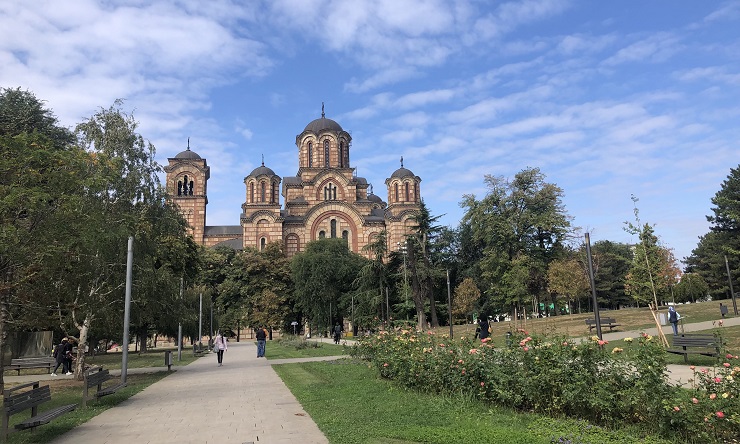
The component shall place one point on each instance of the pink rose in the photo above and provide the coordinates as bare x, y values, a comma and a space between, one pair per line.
695, 401
720, 415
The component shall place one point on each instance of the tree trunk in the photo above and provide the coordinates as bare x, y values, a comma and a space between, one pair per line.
142, 338
80, 362
416, 293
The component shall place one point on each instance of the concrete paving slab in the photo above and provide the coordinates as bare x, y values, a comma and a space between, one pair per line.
244, 401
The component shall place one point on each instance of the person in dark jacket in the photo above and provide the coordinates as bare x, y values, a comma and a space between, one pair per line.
261, 338
59, 355
483, 323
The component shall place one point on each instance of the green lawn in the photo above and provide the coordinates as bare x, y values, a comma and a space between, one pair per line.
70, 392
285, 349
351, 404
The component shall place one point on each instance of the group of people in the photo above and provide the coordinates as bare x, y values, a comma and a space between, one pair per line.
63, 355
221, 344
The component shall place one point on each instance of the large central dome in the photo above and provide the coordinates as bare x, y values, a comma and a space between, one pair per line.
322, 124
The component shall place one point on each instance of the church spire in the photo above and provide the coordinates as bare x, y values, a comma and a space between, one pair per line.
401, 161
322, 110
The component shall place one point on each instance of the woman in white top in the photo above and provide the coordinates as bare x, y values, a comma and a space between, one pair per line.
220, 346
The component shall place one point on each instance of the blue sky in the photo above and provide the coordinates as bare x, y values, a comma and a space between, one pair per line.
608, 99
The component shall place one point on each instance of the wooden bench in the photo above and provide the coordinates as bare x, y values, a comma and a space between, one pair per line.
96, 377
709, 345
29, 396
19, 364
605, 322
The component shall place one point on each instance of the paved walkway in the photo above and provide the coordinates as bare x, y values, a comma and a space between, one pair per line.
244, 401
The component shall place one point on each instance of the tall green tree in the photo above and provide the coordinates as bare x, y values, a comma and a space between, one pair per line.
522, 226
723, 239
421, 268
611, 263
38, 174
691, 287
324, 275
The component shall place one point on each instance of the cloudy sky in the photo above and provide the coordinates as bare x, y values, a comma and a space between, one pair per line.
608, 98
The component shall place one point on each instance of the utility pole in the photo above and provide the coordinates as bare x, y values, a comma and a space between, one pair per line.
729, 280
449, 303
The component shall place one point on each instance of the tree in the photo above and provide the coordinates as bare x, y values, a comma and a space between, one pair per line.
38, 175
466, 298
521, 226
324, 275
119, 184
566, 277
611, 263
421, 269
723, 239
372, 280
691, 287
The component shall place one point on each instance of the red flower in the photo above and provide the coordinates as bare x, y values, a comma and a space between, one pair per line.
720, 415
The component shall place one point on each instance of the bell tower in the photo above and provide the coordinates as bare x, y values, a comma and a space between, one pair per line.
187, 180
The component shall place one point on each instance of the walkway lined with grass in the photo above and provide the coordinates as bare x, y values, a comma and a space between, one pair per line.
244, 401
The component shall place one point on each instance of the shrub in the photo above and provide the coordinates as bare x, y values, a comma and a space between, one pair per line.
559, 377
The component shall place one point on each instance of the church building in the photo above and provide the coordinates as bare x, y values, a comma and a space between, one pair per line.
325, 199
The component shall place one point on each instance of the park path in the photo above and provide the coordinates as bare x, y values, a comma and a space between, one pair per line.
242, 402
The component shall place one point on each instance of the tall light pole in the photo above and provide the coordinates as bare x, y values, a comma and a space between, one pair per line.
200, 323
179, 324
127, 308
402, 249
729, 280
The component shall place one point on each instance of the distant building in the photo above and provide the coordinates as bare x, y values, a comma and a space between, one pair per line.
324, 199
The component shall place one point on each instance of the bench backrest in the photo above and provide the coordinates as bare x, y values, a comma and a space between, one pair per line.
97, 376
603, 321
15, 401
39, 360
696, 341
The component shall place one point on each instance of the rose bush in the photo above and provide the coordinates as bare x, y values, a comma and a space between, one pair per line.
560, 377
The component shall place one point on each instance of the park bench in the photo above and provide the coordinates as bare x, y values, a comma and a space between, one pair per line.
708, 345
29, 396
605, 322
19, 364
95, 377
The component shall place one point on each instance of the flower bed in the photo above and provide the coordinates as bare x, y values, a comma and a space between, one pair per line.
559, 377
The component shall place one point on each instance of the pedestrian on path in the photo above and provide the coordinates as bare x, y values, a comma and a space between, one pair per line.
59, 355
219, 346
337, 333
261, 338
673, 318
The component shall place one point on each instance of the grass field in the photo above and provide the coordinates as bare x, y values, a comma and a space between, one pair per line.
281, 349
629, 319
351, 404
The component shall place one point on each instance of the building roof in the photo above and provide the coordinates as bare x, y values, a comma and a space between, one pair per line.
321, 124
223, 230
402, 172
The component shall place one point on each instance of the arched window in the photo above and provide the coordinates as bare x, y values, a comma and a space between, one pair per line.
179, 187
322, 234
273, 193
310, 154
407, 192
345, 235
190, 188
416, 192
395, 187
251, 192
341, 155
330, 192
263, 242
326, 153
263, 192
333, 228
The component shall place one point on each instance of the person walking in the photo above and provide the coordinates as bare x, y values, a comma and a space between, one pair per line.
261, 338
483, 323
59, 355
68, 355
673, 318
337, 333
220, 346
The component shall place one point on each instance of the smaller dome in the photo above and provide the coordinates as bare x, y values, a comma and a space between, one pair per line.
322, 124
187, 154
373, 198
402, 172
262, 170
